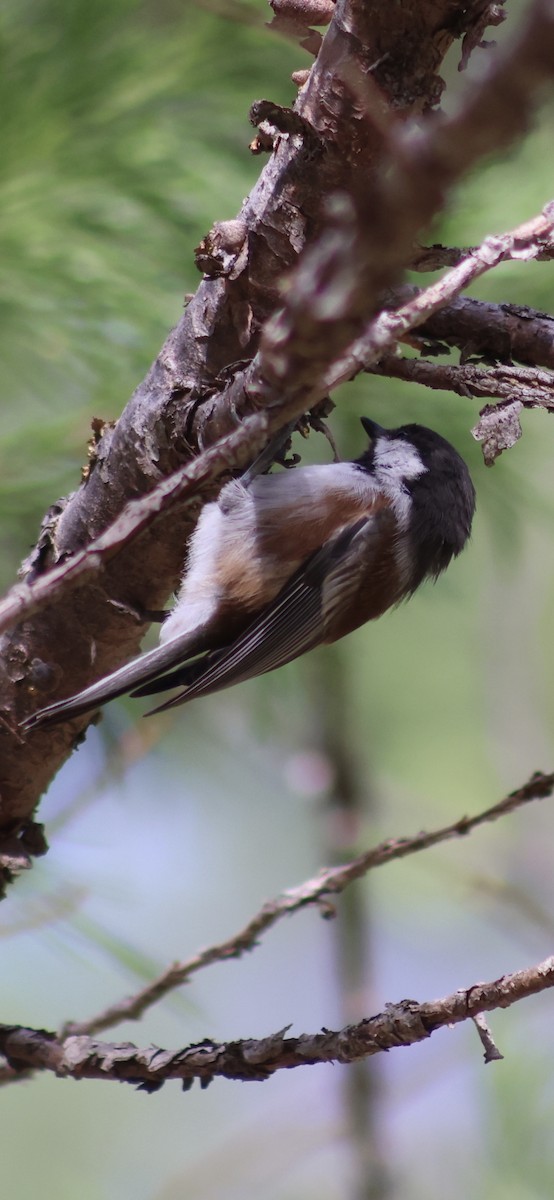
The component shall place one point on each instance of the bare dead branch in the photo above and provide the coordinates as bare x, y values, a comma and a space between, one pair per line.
317, 891
401, 1024
494, 332
516, 388
533, 388
434, 258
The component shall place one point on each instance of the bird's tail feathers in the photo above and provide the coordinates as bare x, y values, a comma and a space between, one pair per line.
139, 671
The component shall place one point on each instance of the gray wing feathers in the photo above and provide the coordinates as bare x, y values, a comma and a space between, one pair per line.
342, 584
290, 626
288, 629
296, 621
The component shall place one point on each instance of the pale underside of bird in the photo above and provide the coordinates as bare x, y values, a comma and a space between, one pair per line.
281, 563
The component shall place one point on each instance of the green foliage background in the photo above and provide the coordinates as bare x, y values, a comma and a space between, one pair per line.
125, 135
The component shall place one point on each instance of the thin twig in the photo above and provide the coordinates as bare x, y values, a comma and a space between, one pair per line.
533, 388
315, 891
401, 1024
434, 258
514, 388
492, 1053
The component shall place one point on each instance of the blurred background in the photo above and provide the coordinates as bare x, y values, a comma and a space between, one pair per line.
125, 135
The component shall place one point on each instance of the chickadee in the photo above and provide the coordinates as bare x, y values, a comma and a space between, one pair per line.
281, 563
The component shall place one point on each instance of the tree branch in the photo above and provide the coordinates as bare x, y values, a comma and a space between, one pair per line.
533, 388
524, 242
501, 332
74, 1052
317, 891
514, 387
434, 258
401, 1024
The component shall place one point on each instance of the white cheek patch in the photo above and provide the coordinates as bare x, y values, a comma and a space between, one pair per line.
397, 460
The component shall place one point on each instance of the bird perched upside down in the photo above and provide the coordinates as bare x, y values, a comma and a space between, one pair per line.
281, 563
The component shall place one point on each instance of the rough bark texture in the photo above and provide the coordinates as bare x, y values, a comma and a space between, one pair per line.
377, 67
257, 1059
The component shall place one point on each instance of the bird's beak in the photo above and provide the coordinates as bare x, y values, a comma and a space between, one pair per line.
372, 429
